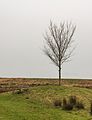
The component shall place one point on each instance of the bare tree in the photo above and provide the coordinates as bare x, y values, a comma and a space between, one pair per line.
58, 43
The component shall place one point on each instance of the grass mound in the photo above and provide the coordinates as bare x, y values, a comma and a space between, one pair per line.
37, 104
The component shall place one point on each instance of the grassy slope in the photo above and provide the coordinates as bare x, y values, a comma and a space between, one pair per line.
39, 105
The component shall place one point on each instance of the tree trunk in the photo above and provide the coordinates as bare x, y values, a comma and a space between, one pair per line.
59, 75
59, 70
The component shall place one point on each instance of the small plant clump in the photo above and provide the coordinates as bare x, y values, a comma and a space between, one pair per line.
72, 100
64, 101
79, 105
66, 105
57, 103
70, 104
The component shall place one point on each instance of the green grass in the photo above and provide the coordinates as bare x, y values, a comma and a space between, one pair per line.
39, 106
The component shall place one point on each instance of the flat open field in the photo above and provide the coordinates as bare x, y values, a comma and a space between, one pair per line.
9, 84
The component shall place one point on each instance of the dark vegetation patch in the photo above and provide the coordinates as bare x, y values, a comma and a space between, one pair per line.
69, 103
57, 103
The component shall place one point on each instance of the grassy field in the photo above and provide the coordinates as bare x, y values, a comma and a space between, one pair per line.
37, 103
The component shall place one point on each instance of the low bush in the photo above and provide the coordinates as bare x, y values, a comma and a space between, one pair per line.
64, 101
72, 100
67, 105
79, 105
71, 103
57, 103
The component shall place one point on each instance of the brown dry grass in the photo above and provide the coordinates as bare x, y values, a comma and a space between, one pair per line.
9, 84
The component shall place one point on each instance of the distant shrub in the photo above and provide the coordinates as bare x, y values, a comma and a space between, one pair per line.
79, 105
57, 103
25, 90
47, 84
19, 91
27, 97
33, 84
38, 84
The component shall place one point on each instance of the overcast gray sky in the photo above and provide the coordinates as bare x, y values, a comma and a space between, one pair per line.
22, 24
